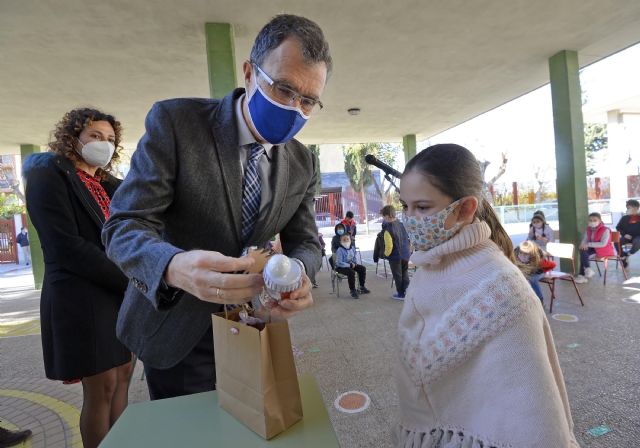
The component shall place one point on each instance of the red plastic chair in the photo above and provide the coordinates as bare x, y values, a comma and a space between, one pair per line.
615, 239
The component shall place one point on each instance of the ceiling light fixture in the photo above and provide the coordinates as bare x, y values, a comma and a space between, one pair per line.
354, 111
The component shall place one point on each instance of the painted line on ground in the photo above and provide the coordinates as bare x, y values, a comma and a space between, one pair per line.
69, 413
28, 328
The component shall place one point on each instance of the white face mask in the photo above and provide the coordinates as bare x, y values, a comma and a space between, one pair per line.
97, 153
593, 225
346, 245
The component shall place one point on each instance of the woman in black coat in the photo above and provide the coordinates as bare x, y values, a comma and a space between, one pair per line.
68, 191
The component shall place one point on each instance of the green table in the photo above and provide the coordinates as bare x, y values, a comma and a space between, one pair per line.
197, 421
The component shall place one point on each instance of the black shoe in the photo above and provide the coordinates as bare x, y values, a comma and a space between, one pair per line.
11, 438
364, 290
625, 263
315, 285
354, 294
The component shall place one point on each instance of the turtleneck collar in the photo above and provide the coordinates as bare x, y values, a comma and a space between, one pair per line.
469, 236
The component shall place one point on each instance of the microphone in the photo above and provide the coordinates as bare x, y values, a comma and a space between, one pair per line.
371, 160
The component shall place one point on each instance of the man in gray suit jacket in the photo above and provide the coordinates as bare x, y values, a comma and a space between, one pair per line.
208, 179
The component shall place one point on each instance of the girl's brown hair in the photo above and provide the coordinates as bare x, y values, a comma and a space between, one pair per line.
454, 170
67, 131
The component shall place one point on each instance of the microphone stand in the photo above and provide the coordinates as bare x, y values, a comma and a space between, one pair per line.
387, 176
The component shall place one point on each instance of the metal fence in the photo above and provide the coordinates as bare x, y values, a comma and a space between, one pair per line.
331, 207
511, 214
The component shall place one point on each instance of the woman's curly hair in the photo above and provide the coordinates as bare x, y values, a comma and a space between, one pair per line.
65, 136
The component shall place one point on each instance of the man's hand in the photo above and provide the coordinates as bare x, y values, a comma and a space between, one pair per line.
299, 300
206, 275
628, 237
583, 246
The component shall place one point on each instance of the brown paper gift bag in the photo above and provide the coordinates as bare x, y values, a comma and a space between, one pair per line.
256, 375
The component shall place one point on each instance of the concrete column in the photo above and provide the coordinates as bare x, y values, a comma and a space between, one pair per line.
220, 58
37, 259
409, 146
570, 153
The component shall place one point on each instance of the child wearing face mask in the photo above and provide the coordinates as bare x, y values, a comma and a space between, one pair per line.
530, 259
340, 230
346, 264
539, 231
479, 365
595, 243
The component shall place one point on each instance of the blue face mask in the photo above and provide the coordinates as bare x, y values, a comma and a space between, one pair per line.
274, 122
340, 232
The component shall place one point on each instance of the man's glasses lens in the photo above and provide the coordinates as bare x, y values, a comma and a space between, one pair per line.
288, 96
285, 95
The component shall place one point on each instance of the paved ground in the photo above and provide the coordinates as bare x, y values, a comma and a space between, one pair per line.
351, 345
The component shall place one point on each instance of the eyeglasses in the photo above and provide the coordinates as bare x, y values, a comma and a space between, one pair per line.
287, 96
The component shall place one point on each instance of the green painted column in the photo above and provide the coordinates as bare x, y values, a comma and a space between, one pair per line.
220, 58
409, 146
37, 259
570, 154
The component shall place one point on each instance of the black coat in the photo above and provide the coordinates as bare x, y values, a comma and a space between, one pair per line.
82, 289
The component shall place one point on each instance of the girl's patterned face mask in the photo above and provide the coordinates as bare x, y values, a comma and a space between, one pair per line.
429, 232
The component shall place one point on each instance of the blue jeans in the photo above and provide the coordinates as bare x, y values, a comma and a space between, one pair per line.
533, 281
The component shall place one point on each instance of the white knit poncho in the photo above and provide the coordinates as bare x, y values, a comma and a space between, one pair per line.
479, 367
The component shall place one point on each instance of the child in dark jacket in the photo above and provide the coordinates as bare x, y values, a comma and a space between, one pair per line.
346, 265
629, 228
399, 255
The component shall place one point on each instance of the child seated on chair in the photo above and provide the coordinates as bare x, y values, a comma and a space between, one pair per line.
629, 228
346, 265
529, 259
539, 231
595, 243
340, 230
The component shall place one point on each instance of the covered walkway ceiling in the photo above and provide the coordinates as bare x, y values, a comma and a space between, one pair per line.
413, 67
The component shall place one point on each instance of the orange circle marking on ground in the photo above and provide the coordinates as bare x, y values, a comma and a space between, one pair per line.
352, 402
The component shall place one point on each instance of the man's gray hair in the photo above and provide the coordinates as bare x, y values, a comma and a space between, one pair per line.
283, 26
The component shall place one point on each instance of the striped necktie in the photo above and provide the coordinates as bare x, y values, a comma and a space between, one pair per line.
251, 192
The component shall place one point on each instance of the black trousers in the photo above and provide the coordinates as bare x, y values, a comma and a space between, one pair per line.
635, 242
400, 272
195, 373
351, 275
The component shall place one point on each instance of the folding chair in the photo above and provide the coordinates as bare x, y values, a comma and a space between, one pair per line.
336, 277
384, 265
325, 261
615, 239
560, 250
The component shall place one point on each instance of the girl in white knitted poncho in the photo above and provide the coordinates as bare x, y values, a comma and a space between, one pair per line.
479, 367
